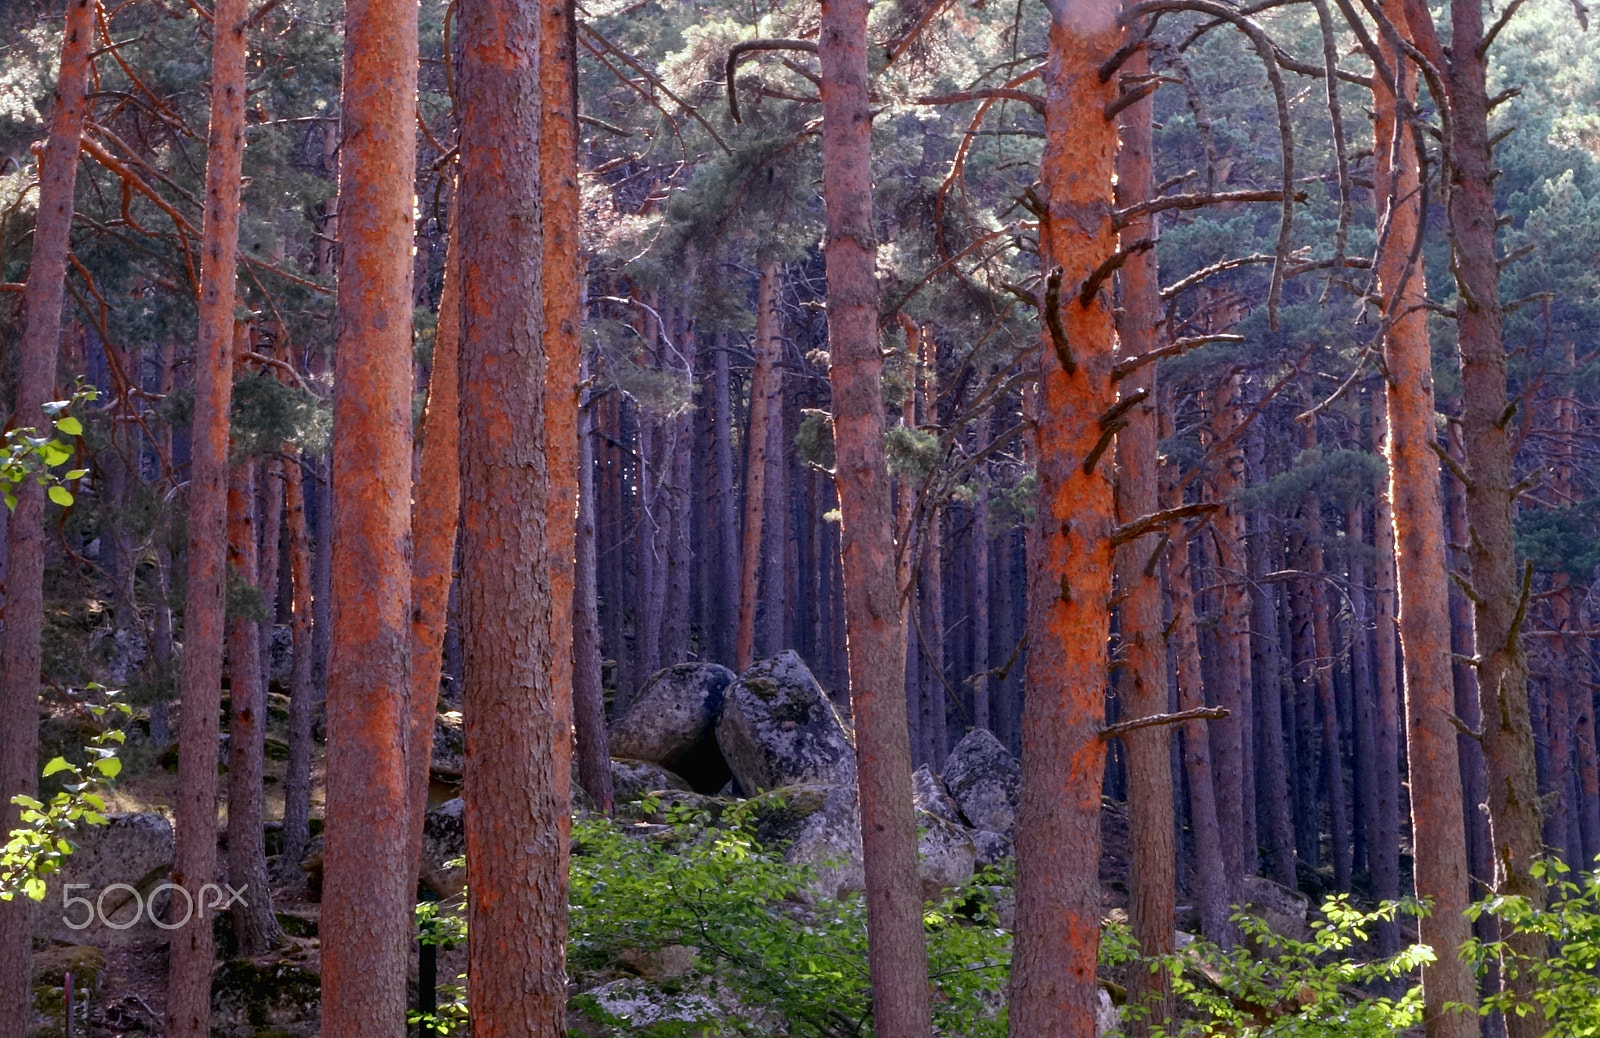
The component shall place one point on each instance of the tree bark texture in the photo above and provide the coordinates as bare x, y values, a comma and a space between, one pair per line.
435, 515
302, 691
516, 542
1438, 829
254, 925
24, 531
757, 441
194, 862
369, 885
874, 608
1142, 680
1053, 989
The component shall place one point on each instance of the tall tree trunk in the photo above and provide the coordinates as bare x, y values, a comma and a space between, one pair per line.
757, 441
1266, 669
254, 925
24, 532
369, 885
1499, 594
1438, 833
1143, 677
588, 691
516, 534
931, 648
1231, 738
1210, 871
1386, 670
726, 579
1365, 700
194, 862
874, 607
981, 663
302, 692
1321, 674
435, 515
1053, 991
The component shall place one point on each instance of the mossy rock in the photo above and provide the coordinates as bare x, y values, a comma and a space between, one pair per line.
50, 967
277, 749
254, 998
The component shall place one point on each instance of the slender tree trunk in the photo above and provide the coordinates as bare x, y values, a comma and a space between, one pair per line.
1053, 990
1321, 673
269, 495
1231, 737
588, 692
727, 576
981, 663
1143, 677
368, 889
874, 607
254, 925
1386, 715
931, 654
435, 514
1438, 833
1210, 872
516, 551
757, 441
1266, 669
302, 694
1366, 729
195, 852
24, 531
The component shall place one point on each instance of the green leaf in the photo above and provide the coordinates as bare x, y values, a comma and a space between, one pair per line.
61, 496
76, 474
58, 764
34, 887
109, 767
54, 453
70, 425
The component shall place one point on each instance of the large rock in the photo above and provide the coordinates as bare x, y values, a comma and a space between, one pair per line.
820, 826
632, 779
118, 868
777, 728
672, 723
928, 794
444, 841
251, 998
1282, 909
985, 780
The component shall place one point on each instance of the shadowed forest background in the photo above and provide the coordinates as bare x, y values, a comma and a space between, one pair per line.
946, 517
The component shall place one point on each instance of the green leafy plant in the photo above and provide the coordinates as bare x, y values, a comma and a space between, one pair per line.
28, 455
1568, 981
40, 845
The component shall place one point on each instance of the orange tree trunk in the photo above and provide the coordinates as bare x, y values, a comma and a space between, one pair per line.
1386, 629
516, 555
435, 513
1499, 598
875, 638
1058, 818
1153, 863
24, 592
253, 922
368, 890
195, 853
1422, 584
755, 479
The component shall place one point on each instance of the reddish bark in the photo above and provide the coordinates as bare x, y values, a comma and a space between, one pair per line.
195, 852
368, 889
435, 513
757, 441
516, 547
254, 925
1438, 827
874, 608
1142, 680
24, 531
302, 693
1053, 991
